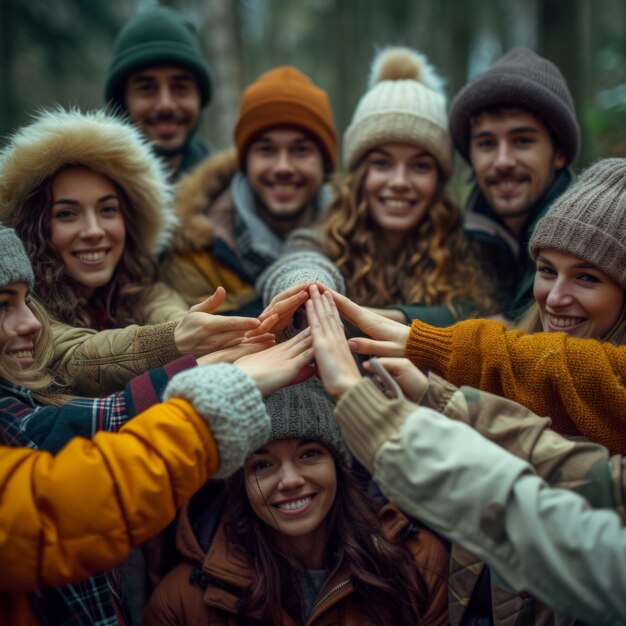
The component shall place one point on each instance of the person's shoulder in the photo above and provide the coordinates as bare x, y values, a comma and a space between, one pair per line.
209, 177
428, 551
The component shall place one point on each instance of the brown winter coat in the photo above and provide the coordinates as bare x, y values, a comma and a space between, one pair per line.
178, 601
204, 208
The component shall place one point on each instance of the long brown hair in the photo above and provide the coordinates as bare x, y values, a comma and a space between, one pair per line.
434, 267
121, 298
378, 566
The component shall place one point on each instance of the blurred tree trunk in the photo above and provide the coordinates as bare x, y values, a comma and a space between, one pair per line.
219, 34
8, 106
559, 24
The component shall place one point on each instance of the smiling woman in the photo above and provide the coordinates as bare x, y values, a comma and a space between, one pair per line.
299, 540
580, 251
91, 203
392, 230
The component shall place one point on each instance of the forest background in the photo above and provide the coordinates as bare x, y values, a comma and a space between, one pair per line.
58, 51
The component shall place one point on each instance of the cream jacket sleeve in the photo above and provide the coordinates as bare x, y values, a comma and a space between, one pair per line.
538, 539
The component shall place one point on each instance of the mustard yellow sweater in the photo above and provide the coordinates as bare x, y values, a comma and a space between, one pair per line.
577, 382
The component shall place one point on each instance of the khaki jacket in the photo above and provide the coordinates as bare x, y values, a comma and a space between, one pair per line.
96, 363
182, 599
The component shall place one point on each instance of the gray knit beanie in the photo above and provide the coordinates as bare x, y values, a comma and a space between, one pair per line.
521, 78
15, 266
589, 220
305, 411
406, 102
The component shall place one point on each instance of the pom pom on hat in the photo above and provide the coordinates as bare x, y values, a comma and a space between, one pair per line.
405, 103
399, 63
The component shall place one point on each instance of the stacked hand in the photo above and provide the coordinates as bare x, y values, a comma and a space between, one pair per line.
200, 332
251, 343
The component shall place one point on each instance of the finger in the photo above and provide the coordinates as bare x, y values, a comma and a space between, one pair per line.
265, 327
373, 347
253, 348
263, 338
210, 304
223, 323
393, 365
350, 311
305, 373
283, 295
296, 342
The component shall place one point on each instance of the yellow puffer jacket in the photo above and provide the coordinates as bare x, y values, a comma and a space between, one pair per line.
65, 517
204, 209
100, 363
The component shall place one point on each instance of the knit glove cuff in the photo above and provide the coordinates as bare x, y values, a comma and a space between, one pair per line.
233, 407
295, 268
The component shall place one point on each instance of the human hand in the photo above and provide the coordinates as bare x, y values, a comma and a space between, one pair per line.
388, 338
411, 380
335, 363
230, 355
281, 365
200, 333
282, 308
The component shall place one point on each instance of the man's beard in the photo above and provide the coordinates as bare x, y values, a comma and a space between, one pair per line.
172, 150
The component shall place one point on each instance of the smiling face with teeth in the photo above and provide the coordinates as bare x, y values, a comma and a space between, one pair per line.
514, 161
87, 228
575, 297
18, 324
285, 169
400, 186
291, 485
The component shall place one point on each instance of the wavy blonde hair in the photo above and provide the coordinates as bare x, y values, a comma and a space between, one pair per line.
38, 378
434, 267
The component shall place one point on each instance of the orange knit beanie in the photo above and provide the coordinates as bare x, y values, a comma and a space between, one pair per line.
284, 96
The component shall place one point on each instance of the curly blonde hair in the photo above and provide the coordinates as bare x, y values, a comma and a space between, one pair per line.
435, 266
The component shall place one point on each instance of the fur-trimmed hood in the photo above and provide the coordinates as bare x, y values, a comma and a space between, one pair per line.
100, 141
195, 194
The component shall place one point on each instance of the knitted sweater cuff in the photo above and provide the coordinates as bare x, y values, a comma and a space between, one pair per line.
300, 267
233, 407
429, 347
368, 418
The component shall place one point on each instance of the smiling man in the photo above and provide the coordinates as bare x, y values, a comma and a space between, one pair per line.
160, 79
236, 208
516, 126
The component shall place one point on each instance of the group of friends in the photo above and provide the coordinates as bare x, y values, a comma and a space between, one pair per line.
273, 386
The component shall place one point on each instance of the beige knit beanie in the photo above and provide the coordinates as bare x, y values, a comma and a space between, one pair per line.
589, 220
405, 103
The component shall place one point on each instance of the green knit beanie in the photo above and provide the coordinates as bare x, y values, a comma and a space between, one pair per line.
158, 36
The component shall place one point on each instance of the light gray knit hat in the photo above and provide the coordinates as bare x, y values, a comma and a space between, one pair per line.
15, 266
405, 103
305, 411
589, 220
